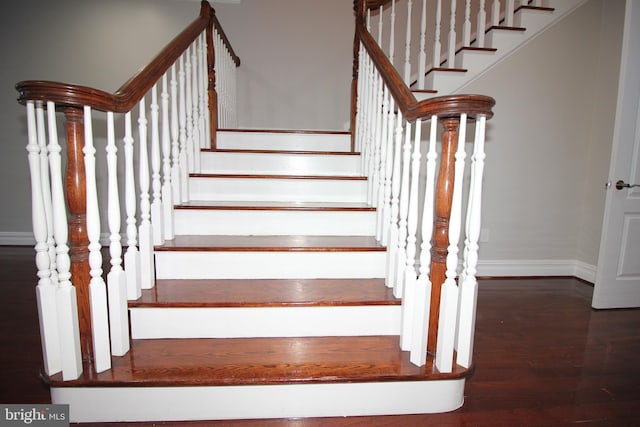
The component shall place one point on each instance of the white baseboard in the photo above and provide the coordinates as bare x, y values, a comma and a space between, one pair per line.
538, 267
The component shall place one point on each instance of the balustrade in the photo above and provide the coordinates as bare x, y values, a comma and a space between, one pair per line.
84, 320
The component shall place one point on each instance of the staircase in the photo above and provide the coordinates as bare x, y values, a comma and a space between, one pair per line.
267, 274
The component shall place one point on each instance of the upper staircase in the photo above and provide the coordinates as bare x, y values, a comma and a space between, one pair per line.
259, 273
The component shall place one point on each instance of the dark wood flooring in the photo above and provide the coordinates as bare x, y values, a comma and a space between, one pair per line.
543, 357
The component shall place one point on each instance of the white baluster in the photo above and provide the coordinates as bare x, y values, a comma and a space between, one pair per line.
388, 172
195, 117
182, 120
145, 230
482, 22
189, 112
377, 138
203, 124
422, 305
437, 44
422, 57
410, 274
132, 255
403, 213
116, 278
97, 287
167, 184
45, 290
157, 209
449, 297
452, 36
469, 286
466, 28
176, 175
66, 301
205, 93
508, 13
384, 141
495, 13
392, 32
380, 25
392, 245
407, 46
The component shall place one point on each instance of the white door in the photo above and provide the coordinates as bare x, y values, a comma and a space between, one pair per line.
618, 276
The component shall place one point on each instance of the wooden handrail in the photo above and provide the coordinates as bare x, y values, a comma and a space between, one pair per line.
411, 108
131, 92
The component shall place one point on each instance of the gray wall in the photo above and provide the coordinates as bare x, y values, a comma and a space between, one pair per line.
548, 145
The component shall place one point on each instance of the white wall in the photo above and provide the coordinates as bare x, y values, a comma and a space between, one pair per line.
549, 143
296, 62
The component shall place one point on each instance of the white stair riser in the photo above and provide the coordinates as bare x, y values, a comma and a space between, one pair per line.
109, 404
445, 81
277, 190
504, 40
280, 163
473, 60
283, 141
274, 222
269, 265
532, 20
250, 322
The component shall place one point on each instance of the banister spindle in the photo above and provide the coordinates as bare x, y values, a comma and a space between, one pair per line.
97, 287
410, 274
116, 279
481, 26
195, 106
392, 32
449, 300
167, 184
422, 57
132, 255
407, 46
182, 125
388, 172
392, 246
212, 95
495, 13
403, 212
205, 131
145, 229
66, 295
176, 176
188, 111
442, 214
377, 138
384, 141
156, 184
508, 13
469, 284
422, 306
45, 290
452, 36
437, 44
466, 27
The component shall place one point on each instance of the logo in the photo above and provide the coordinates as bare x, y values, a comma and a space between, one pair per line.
34, 415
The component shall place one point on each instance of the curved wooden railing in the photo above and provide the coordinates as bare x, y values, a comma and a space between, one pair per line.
190, 87
438, 311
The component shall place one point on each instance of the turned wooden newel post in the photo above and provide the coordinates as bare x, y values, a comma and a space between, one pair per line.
358, 7
76, 196
211, 74
443, 200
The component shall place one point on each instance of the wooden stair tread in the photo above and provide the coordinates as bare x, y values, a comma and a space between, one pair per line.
269, 205
255, 151
270, 176
502, 27
257, 361
539, 8
272, 243
266, 293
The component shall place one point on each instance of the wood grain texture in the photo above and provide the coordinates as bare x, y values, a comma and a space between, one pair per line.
266, 293
543, 357
272, 243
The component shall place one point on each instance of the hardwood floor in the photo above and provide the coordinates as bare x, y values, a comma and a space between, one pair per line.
543, 357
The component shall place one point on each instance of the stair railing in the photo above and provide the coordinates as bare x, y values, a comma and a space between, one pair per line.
433, 31
176, 101
438, 298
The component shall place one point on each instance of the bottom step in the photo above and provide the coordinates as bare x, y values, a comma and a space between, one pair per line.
170, 380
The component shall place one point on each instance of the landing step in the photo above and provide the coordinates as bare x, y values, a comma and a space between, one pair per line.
266, 293
260, 378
